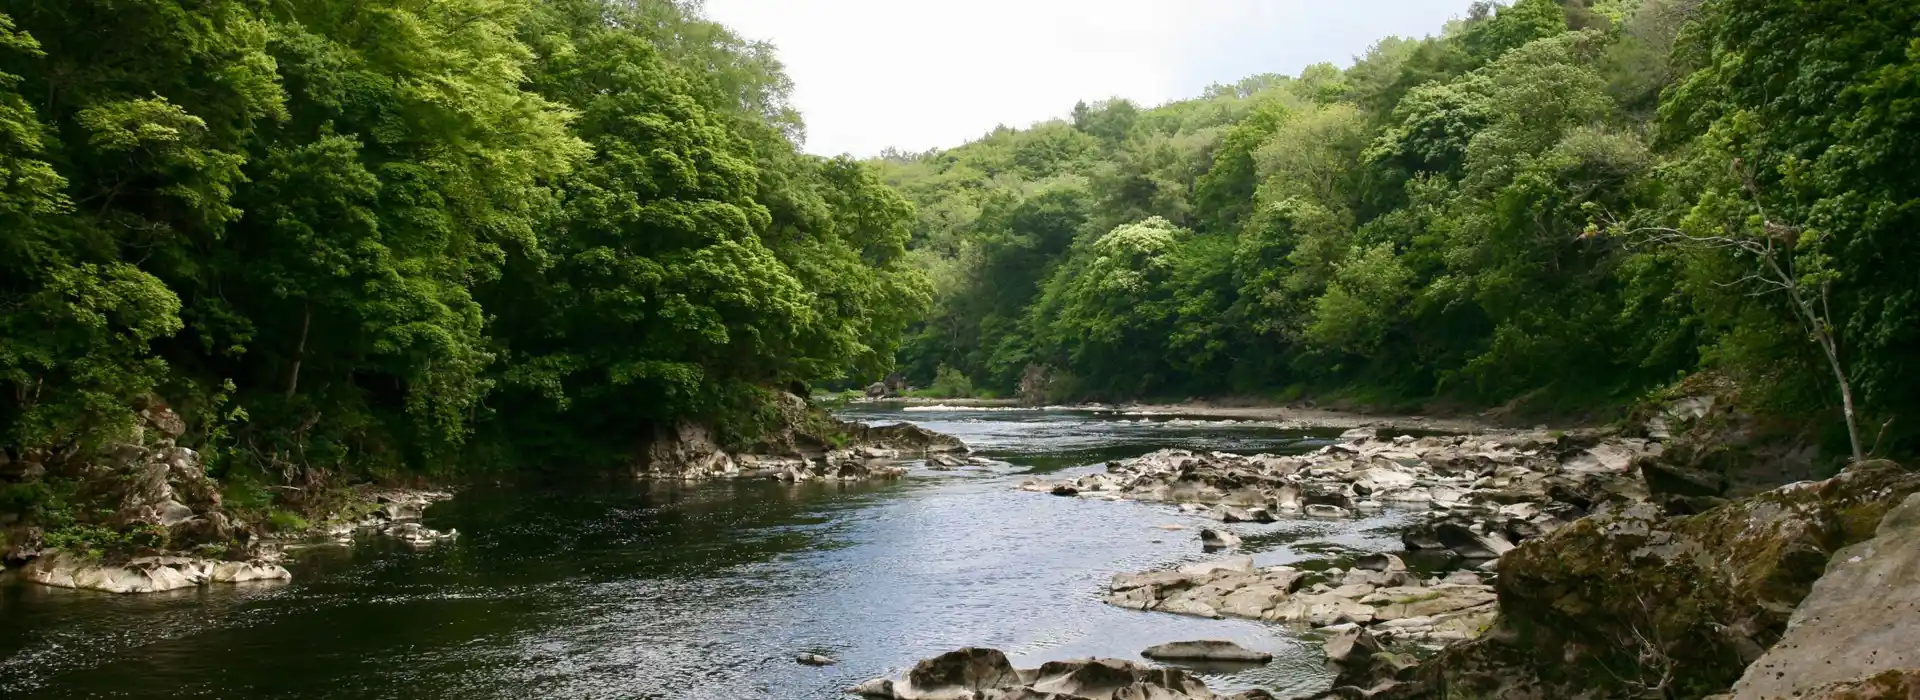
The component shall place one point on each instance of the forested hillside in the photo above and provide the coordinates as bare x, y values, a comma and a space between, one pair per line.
365, 236
1567, 203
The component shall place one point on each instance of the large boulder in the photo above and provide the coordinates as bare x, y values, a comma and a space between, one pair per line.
906, 438
957, 673
1861, 619
1634, 602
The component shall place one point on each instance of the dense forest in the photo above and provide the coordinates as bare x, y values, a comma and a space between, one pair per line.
379, 237
1550, 205
353, 237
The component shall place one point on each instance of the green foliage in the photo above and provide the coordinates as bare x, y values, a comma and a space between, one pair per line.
1422, 224
287, 521
359, 237
949, 383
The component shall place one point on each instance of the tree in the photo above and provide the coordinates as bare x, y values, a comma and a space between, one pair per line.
1784, 258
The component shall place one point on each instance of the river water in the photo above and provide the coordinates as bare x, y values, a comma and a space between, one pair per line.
612, 589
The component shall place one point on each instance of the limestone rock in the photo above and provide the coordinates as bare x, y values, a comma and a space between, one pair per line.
1701, 596
1861, 618
145, 574
815, 660
1211, 539
984, 674
1205, 650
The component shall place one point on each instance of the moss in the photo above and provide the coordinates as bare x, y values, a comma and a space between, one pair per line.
287, 521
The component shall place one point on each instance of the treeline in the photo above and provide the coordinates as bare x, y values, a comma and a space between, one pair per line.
1565, 203
353, 236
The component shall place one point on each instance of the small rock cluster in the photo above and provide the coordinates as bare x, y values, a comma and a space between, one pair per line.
1378, 592
985, 674
398, 516
687, 451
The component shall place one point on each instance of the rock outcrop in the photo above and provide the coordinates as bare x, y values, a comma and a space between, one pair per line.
1716, 451
1861, 620
148, 501
1633, 602
145, 574
985, 674
808, 445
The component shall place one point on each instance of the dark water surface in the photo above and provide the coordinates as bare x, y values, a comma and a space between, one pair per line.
610, 589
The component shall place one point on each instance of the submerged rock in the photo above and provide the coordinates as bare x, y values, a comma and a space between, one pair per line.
1211, 539
815, 660
1205, 650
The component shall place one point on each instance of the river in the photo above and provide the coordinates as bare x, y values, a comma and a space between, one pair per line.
612, 589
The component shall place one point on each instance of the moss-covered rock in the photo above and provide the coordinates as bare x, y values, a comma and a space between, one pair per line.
1634, 603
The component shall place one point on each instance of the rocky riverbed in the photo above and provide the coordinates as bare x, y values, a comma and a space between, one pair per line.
1577, 564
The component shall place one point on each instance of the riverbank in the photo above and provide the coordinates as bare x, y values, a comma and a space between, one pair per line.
1291, 416
1619, 552
577, 585
1319, 418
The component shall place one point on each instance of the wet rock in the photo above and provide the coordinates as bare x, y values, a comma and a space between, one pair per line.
1064, 490
957, 672
1318, 510
815, 660
245, 571
875, 688
1211, 539
984, 674
1205, 650
1471, 544
946, 461
1380, 562
1240, 564
417, 535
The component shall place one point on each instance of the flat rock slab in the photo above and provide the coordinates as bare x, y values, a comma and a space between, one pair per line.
1205, 650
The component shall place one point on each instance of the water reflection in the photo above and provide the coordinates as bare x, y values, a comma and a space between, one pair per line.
608, 589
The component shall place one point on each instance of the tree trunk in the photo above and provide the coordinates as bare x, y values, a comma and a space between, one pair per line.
1846, 393
300, 350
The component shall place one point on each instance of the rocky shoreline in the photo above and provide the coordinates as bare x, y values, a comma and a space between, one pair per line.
389, 512
1577, 564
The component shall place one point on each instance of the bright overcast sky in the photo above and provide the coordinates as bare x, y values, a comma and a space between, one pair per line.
918, 74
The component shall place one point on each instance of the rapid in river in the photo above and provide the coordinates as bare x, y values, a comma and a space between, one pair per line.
609, 588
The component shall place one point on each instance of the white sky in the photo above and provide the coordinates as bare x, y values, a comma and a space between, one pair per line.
919, 74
